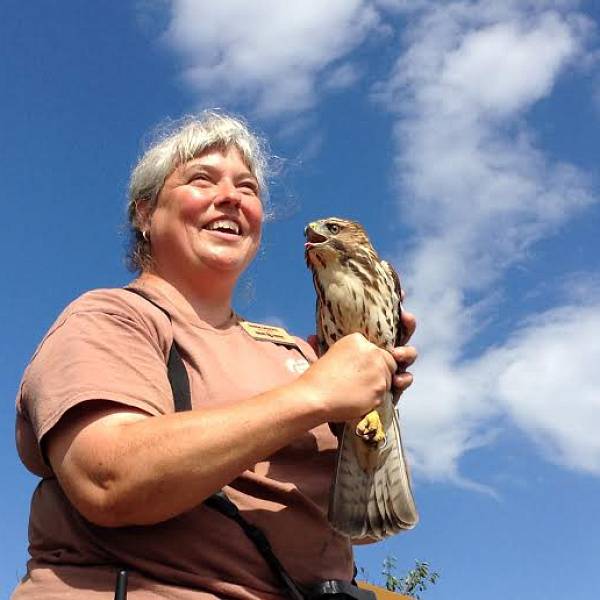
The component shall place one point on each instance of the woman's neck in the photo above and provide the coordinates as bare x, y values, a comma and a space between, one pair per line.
211, 302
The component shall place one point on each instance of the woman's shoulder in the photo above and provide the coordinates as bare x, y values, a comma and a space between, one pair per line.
120, 302
104, 309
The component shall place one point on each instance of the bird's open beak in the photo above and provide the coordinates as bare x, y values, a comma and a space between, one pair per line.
313, 238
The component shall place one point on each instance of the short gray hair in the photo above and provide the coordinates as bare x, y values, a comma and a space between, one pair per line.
179, 142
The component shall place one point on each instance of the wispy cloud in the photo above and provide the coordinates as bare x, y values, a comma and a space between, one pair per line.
268, 54
478, 193
547, 379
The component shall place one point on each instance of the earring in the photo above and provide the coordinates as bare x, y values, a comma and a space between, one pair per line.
145, 236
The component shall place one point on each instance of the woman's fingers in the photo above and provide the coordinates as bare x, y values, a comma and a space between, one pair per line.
404, 356
402, 379
409, 324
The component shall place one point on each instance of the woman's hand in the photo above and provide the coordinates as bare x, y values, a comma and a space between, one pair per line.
350, 379
404, 356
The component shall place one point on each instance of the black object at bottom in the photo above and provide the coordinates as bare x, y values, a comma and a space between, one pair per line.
121, 585
334, 589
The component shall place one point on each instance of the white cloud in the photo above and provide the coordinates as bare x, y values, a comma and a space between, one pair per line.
268, 53
478, 193
548, 381
506, 66
442, 415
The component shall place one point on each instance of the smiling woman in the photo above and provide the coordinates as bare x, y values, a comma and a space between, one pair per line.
125, 472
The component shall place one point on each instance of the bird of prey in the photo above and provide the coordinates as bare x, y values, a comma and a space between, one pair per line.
371, 495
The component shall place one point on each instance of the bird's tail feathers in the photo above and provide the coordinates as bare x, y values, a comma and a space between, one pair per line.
371, 495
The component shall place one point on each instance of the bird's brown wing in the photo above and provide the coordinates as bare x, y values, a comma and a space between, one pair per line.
322, 345
398, 290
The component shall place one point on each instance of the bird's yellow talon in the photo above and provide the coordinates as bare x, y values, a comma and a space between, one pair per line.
370, 428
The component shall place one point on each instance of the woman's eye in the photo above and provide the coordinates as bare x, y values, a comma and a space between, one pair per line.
200, 177
249, 186
333, 227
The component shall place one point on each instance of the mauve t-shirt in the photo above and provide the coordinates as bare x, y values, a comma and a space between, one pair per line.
113, 345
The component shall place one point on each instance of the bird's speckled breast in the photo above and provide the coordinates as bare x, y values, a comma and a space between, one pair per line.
357, 301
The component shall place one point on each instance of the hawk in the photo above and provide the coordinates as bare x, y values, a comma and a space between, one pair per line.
371, 496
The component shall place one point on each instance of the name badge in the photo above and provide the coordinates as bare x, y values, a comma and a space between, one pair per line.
268, 333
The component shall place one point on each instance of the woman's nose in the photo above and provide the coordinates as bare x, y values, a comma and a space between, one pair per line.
227, 193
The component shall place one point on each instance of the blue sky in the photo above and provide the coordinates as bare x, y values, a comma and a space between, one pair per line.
464, 135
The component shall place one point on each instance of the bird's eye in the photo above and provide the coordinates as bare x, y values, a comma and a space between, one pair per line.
333, 227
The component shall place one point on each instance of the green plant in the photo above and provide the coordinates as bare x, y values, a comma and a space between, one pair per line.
411, 584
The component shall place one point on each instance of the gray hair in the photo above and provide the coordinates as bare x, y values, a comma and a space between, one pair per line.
180, 142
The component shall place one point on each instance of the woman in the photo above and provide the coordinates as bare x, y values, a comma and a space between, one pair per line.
124, 475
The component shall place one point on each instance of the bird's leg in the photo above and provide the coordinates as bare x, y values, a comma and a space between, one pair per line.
370, 428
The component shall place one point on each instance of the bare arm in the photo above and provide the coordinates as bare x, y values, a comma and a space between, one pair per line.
123, 467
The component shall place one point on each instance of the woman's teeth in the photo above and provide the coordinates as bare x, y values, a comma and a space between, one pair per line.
224, 225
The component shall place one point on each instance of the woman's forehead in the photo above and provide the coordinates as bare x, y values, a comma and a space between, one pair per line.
216, 160
229, 156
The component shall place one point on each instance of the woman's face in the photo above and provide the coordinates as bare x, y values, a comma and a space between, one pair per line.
208, 218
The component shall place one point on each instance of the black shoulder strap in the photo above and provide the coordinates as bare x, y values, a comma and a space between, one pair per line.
222, 504
178, 377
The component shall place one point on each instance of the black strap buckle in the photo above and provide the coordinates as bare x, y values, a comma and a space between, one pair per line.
335, 589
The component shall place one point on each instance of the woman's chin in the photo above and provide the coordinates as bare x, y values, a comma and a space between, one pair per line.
226, 263
227, 259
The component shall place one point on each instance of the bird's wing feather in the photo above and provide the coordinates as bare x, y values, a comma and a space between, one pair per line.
371, 494
322, 345
398, 290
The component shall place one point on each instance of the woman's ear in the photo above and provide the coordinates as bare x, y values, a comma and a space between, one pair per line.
142, 215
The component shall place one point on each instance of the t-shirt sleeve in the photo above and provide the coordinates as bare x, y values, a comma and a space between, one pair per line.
93, 355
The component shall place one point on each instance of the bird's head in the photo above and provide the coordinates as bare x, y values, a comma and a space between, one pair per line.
334, 239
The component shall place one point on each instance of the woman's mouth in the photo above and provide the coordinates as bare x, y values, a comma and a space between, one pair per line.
225, 226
